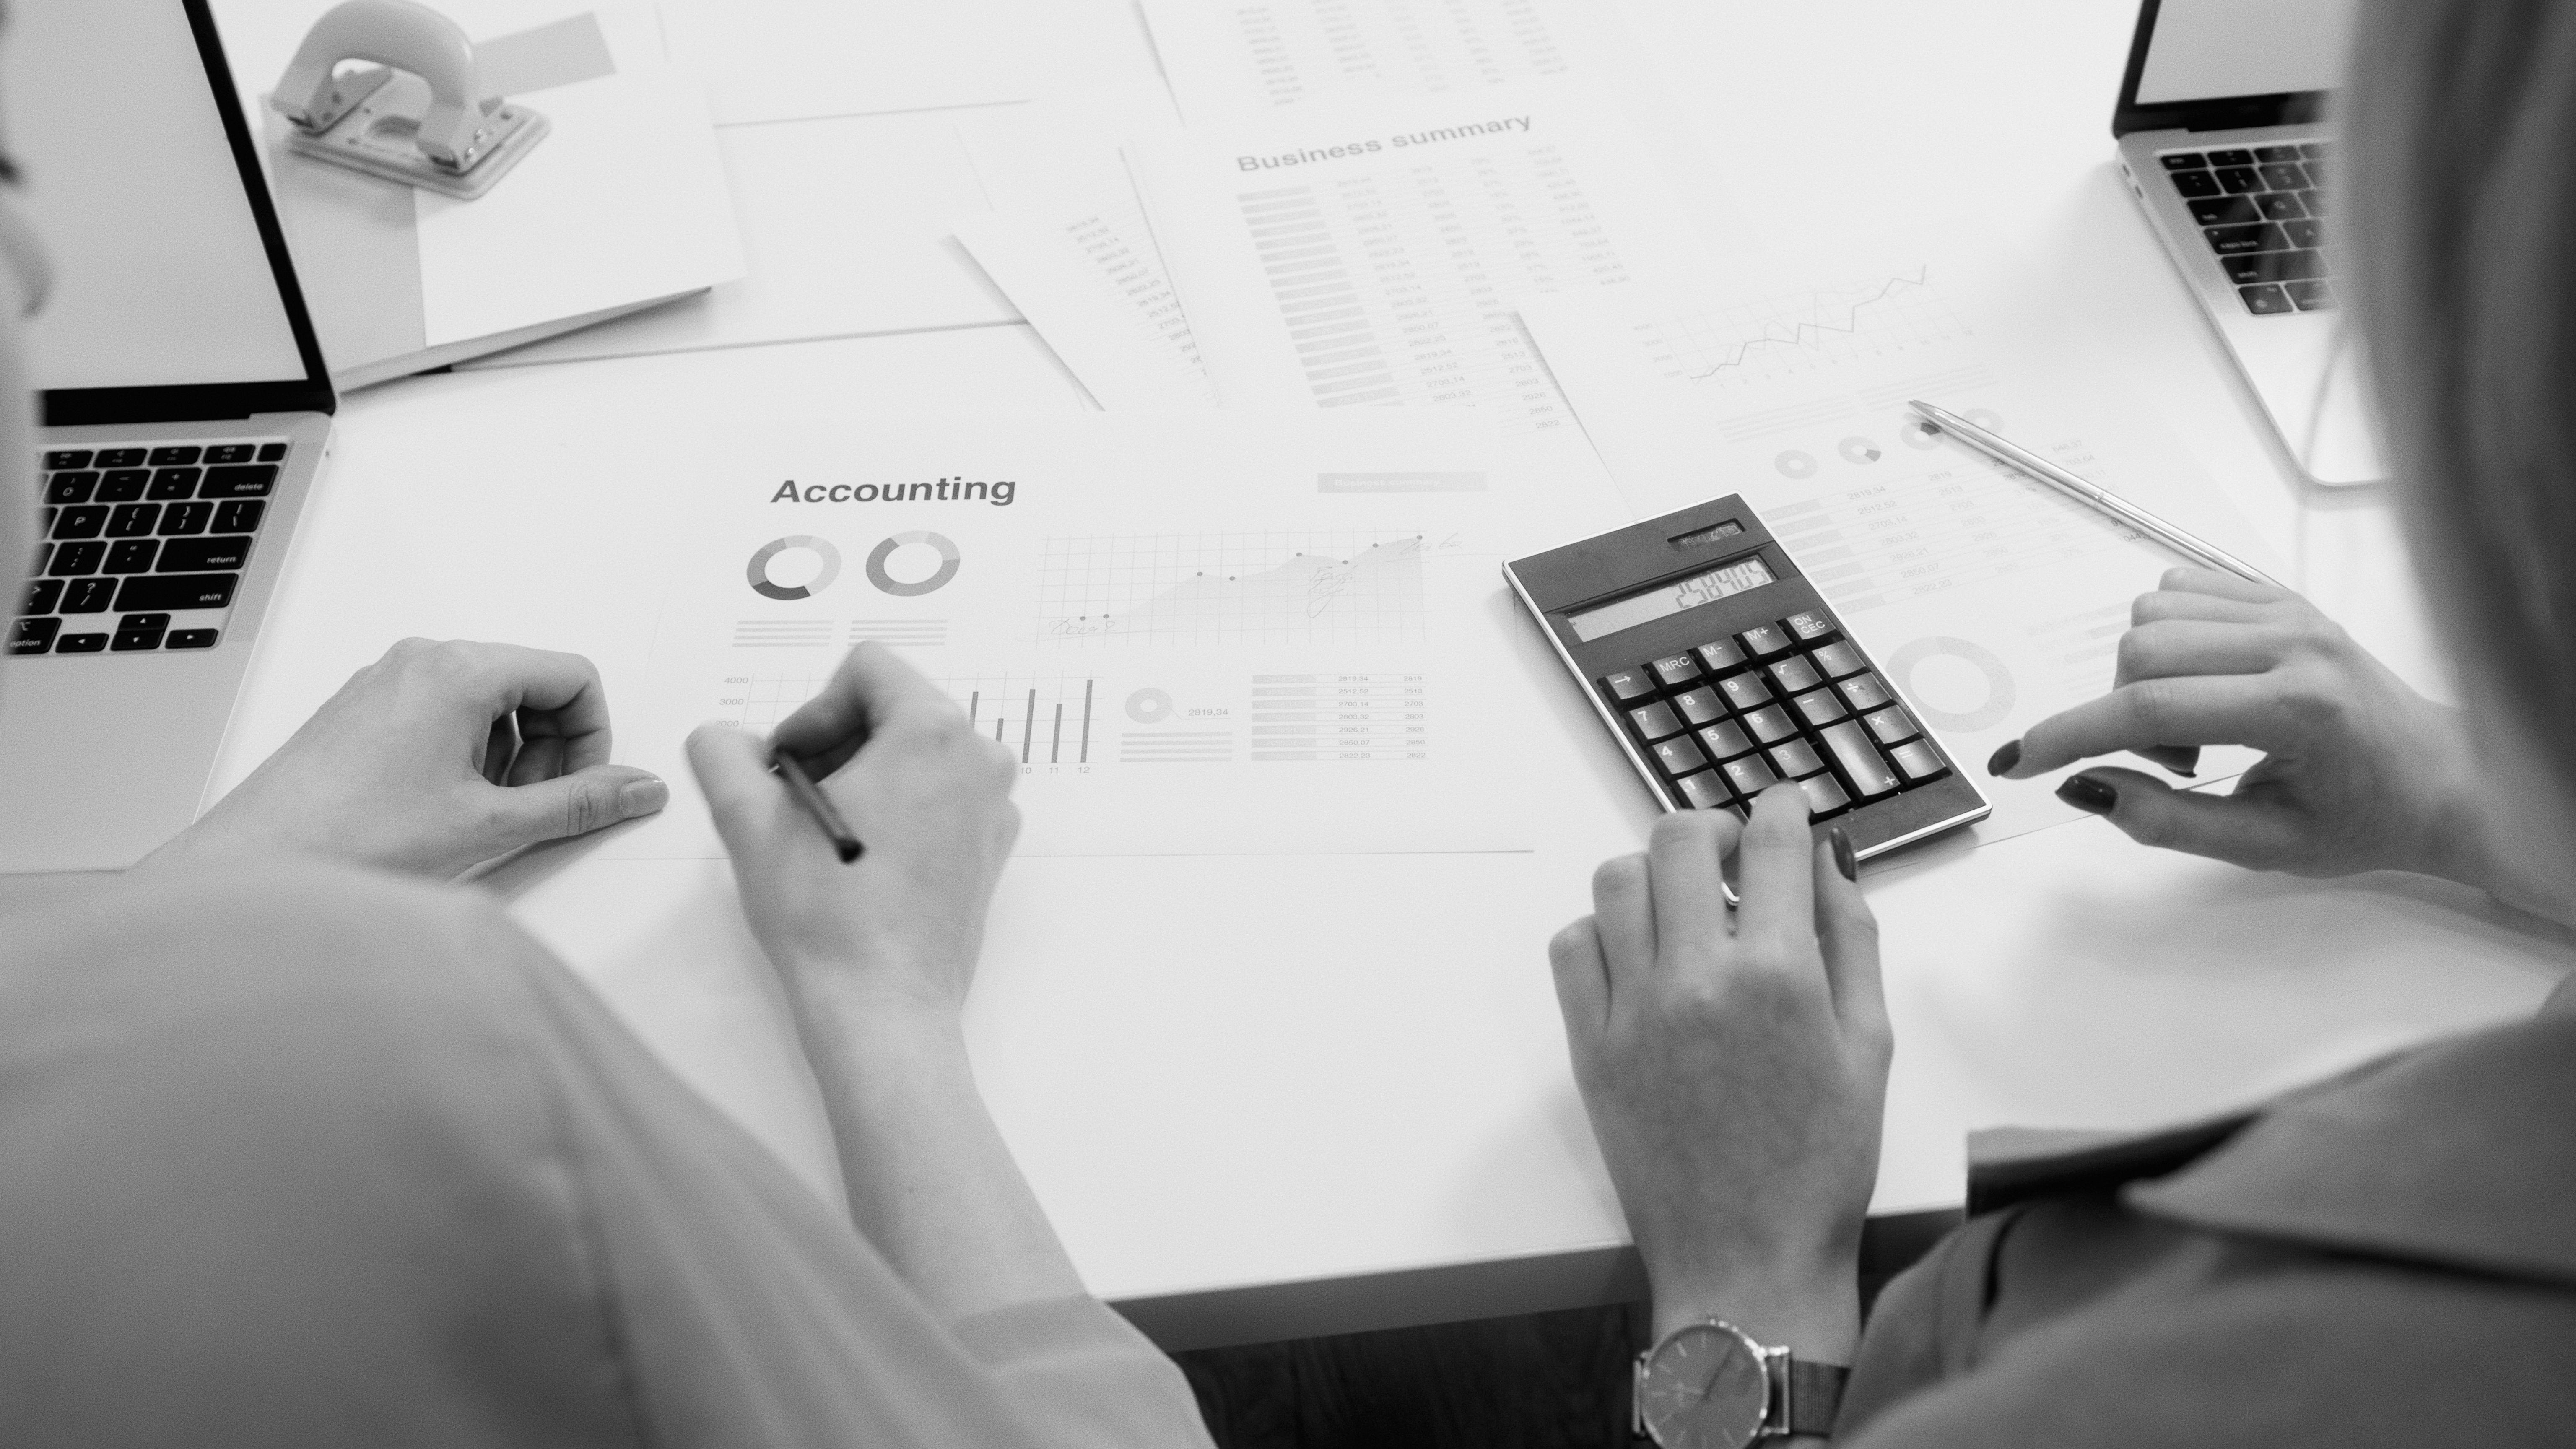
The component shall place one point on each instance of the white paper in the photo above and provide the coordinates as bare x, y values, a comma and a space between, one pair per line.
1991, 600
1359, 255
623, 201
846, 227
1249, 54
1091, 281
1066, 240
785, 60
1236, 635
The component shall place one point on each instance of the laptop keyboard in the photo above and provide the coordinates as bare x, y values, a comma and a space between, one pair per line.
143, 547
2262, 209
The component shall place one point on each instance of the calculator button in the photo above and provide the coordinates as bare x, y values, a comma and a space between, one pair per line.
1745, 691
1722, 656
1655, 721
1769, 723
1722, 741
1680, 756
1699, 706
1677, 670
1891, 724
1867, 692
1703, 791
1795, 758
1919, 761
1838, 659
1810, 625
1627, 685
1764, 640
1819, 707
1795, 675
1824, 796
1860, 763
1749, 776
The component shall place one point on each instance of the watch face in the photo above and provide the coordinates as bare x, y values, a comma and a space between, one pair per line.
1704, 1389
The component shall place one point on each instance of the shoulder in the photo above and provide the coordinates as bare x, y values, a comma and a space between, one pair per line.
2257, 1343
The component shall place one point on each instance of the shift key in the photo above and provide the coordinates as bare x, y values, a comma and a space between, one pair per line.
161, 593
1859, 761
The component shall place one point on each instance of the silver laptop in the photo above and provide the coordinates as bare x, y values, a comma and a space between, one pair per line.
186, 409
2222, 141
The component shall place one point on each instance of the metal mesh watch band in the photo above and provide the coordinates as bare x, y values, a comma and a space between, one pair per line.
1809, 1396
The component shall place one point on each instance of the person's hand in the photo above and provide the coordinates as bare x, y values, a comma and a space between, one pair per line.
1735, 1067
927, 796
434, 758
2359, 771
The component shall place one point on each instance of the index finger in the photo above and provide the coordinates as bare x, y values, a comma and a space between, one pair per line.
2234, 709
2192, 579
1779, 886
564, 688
872, 689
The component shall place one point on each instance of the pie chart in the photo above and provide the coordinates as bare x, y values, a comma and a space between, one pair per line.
758, 573
1794, 464
1857, 449
903, 589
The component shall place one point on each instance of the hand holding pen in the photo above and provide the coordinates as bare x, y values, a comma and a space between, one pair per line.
883, 747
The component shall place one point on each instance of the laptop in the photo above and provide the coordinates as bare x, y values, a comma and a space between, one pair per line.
185, 412
2222, 141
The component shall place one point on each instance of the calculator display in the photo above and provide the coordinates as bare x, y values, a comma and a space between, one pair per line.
1749, 572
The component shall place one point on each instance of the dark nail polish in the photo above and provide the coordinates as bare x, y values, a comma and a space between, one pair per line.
1839, 840
2089, 795
2005, 758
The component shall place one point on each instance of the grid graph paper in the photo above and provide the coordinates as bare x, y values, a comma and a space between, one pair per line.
1259, 586
1801, 331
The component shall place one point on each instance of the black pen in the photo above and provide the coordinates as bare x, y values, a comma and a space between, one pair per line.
818, 805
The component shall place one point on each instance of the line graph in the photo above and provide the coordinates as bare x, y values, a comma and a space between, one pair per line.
1800, 331
1302, 586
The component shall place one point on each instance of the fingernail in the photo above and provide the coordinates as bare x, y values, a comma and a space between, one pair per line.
642, 797
2089, 795
1846, 862
2181, 760
2005, 758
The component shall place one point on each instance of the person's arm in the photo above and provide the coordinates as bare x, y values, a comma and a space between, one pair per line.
1734, 1065
2359, 771
437, 757
877, 956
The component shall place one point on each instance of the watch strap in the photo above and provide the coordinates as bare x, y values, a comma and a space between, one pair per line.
1811, 1396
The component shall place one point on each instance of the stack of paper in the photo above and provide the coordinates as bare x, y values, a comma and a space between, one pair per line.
1436, 165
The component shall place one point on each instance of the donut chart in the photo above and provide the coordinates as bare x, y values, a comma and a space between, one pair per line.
1149, 706
2000, 689
888, 583
758, 573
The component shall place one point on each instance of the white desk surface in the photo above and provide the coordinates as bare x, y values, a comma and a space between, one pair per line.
1266, 1096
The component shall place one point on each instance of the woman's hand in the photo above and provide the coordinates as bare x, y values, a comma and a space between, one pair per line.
1735, 1067
432, 759
928, 797
2359, 771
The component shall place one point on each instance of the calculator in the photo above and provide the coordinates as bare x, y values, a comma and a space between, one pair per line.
1721, 672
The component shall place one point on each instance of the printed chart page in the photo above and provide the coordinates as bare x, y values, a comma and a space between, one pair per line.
1233, 635
1066, 240
1373, 254
1991, 599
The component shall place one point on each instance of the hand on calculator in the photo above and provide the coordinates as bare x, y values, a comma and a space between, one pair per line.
1734, 1065
2359, 771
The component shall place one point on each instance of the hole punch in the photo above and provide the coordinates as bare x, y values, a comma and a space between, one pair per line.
416, 112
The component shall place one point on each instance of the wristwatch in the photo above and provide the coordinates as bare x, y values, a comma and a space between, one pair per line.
1708, 1385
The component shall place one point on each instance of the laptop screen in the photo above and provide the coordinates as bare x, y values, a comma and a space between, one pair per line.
2213, 49
161, 275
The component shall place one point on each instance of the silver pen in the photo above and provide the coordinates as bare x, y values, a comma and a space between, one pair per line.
2014, 455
